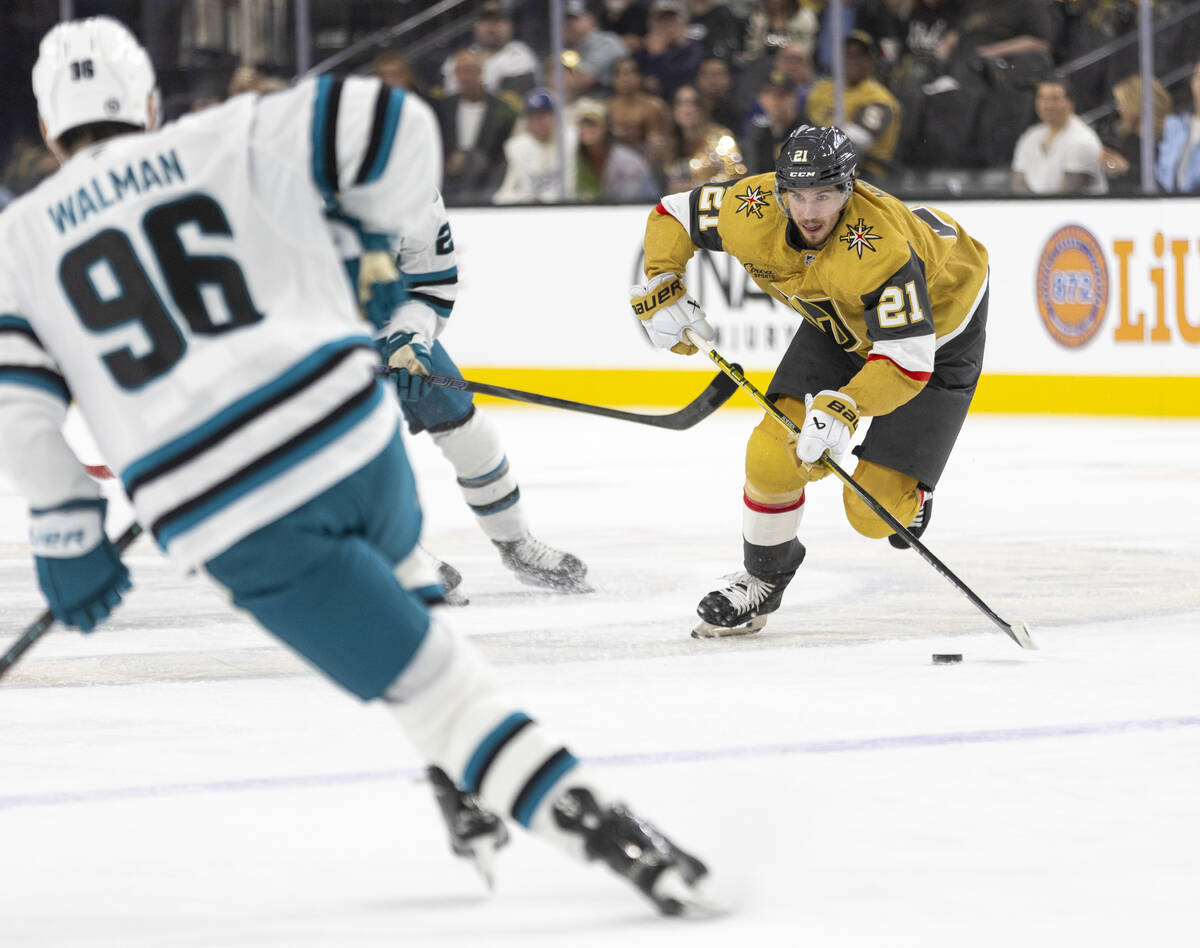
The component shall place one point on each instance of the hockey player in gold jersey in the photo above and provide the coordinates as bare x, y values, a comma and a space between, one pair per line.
891, 305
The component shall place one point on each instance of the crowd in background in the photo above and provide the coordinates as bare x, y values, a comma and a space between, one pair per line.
663, 95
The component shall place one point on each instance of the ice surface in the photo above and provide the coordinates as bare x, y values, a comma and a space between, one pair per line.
178, 779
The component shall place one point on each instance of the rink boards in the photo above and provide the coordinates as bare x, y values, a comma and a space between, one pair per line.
1095, 307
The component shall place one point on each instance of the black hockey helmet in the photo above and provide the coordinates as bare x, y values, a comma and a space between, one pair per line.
816, 156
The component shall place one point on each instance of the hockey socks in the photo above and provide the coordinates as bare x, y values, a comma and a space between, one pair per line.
487, 483
451, 709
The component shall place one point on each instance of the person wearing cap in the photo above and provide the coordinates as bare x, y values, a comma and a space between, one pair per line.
606, 170
509, 65
872, 113
668, 58
597, 49
535, 172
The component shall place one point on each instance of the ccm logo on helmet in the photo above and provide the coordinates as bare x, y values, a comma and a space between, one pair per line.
663, 295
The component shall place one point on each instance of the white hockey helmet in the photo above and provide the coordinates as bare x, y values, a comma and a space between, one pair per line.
93, 70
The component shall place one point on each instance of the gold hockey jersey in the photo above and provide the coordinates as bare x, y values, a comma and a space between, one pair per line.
891, 284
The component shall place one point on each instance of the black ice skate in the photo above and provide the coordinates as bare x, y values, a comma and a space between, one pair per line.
918, 526
741, 606
451, 580
537, 564
668, 876
475, 832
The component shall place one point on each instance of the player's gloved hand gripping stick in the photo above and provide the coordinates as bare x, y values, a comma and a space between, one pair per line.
1019, 633
46, 620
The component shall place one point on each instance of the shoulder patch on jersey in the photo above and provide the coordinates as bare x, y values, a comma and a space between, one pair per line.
859, 236
753, 201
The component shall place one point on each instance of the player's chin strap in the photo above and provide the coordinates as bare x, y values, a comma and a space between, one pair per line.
1019, 633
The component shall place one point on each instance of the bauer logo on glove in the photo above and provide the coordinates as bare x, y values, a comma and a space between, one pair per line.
668, 293
665, 311
831, 418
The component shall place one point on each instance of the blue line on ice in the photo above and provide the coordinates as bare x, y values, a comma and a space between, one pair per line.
841, 746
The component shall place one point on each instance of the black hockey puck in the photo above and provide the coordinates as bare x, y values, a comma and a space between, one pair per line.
946, 659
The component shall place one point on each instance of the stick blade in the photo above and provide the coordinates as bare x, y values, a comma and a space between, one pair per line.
1019, 631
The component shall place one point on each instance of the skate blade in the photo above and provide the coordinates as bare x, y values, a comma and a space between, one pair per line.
694, 899
706, 630
483, 857
568, 588
454, 597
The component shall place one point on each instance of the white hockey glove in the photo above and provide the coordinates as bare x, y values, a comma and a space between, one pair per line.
829, 422
665, 311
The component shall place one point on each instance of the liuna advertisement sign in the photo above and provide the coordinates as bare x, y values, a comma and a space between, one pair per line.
1094, 305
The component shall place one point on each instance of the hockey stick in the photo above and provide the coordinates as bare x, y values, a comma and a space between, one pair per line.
715, 394
1018, 633
46, 619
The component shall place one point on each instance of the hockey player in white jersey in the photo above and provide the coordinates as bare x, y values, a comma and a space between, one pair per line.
411, 308
181, 287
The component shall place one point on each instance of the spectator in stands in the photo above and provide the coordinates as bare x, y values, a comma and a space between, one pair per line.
1121, 154
635, 116
714, 82
475, 125
795, 62
715, 27
924, 45
704, 151
778, 23
535, 171
883, 20
998, 51
993, 31
668, 59
872, 113
628, 19
1178, 168
1060, 154
251, 79
598, 49
769, 128
29, 162
606, 170
510, 67
394, 69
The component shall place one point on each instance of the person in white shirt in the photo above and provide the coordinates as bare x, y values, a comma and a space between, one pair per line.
1061, 154
535, 168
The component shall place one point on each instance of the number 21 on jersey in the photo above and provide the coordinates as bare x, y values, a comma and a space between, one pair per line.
899, 307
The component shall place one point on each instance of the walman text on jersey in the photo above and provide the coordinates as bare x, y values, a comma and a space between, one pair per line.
104, 191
